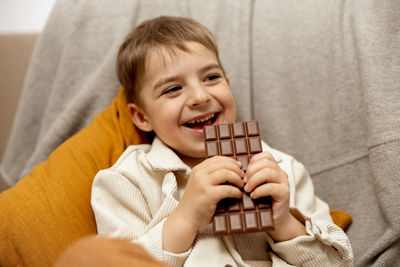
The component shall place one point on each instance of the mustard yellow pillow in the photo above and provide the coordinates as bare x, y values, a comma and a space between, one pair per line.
341, 218
50, 208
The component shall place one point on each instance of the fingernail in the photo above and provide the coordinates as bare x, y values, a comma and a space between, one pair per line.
246, 188
239, 163
245, 179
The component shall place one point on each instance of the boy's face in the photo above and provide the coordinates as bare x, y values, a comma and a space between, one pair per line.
182, 92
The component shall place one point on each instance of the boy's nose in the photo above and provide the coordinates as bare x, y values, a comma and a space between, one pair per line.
198, 96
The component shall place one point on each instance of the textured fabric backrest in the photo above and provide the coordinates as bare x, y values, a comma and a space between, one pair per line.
326, 89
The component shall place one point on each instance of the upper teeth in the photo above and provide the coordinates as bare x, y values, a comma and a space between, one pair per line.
202, 120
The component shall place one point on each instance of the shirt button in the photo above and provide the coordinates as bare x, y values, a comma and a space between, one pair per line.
228, 265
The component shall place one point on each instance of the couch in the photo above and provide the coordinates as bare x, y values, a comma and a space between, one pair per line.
321, 78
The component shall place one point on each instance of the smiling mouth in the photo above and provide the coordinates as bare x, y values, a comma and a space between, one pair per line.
200, 123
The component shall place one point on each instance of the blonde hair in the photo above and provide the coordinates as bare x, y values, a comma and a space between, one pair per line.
164, 31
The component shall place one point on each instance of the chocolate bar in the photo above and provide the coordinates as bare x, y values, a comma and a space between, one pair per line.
239, 140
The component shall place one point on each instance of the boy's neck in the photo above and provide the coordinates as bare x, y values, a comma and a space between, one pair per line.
191, 162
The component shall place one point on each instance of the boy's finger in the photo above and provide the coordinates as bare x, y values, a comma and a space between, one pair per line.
261, 155
266, 175
223, 176
260, 164
276, 191
221, 162
227, 191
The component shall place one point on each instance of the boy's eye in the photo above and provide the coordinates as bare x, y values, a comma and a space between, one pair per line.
172, 90
212, 77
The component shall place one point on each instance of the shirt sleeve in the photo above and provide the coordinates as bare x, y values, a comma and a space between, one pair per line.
326, 244
122, 211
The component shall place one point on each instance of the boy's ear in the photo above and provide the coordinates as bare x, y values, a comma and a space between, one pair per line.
139, 118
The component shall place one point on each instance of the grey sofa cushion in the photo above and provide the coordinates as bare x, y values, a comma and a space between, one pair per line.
326, 84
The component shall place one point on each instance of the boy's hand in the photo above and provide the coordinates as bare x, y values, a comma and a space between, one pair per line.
264, 178
205, 188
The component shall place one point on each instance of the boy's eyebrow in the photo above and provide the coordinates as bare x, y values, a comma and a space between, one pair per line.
164, 81
210, 66
174, 77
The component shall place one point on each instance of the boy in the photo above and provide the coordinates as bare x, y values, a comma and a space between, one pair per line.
164, 195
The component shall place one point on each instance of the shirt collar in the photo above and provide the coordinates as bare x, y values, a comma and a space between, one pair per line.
163, 158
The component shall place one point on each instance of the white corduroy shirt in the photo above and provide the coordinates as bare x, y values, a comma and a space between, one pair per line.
132, 199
